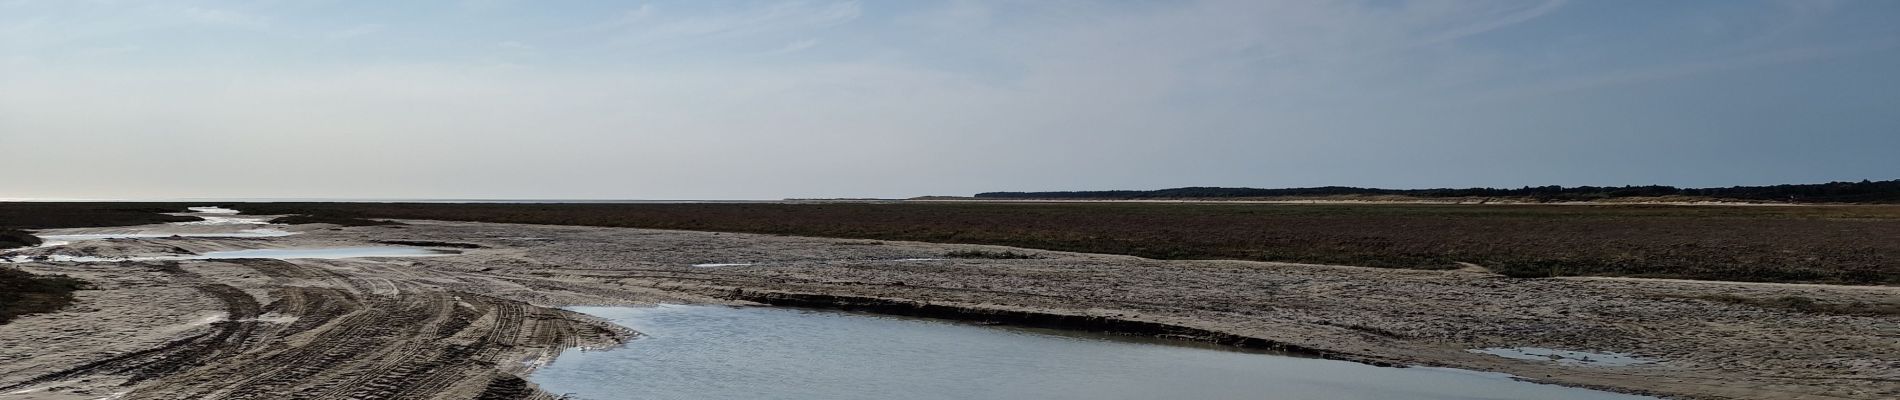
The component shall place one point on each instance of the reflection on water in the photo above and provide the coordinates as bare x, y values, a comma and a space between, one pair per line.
213, 220
217, 222
710, 352
329, 253
1566, 357
252, 233
224, 224
281, 254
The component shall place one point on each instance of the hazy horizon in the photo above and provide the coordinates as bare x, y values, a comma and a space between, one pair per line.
635, 200
499, 99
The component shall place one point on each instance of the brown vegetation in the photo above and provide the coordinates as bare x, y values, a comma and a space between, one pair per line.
11, 238
85, 215
1842, 244
328, 219
22, 293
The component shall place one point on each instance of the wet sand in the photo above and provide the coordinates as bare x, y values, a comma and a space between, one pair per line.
465, 326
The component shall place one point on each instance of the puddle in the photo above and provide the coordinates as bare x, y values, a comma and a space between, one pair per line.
210, 220
281, 254
210, 228
214, 218
714, 352
330, 253
250, 233
1565, 357
220, 216
60, 258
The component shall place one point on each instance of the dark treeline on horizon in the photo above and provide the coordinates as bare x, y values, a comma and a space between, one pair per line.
1832, 192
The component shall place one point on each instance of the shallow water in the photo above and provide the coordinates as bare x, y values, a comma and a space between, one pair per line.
1566, 357
329, 253
247, 233
220, 216
216, 220
281, 254
245, 227
712, 352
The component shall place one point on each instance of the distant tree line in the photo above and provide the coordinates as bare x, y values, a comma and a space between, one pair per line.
1832, 192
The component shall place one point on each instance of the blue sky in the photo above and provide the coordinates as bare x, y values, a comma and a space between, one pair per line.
735, 99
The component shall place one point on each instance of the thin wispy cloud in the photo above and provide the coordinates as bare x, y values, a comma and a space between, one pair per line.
650, 24
794, 47
214, 16
1504, 18
356, 31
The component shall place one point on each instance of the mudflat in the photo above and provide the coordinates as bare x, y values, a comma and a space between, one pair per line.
470, 325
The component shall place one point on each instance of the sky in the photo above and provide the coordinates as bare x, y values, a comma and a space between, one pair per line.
502, 99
